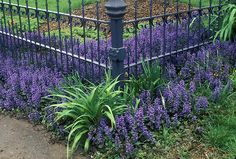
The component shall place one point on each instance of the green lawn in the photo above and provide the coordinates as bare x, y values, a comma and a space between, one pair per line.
196, 3
221, 127
221, 124
52, 5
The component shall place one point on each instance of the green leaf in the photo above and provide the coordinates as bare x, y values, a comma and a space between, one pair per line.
84, 105
86, 145
110, 115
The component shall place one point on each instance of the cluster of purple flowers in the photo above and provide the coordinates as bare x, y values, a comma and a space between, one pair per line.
159, 40
130, 128
209, 66
175, 102
35, 116
202, 103
48, 117
178, 100
23, 85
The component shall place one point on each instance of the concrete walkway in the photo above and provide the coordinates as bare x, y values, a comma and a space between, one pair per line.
21, 140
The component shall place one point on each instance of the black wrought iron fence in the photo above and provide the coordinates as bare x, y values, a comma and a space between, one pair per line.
93, 36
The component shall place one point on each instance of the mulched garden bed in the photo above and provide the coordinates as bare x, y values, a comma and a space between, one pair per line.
142, 10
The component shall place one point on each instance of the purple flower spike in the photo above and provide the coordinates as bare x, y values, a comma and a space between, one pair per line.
128, 147
202, 103
192, 87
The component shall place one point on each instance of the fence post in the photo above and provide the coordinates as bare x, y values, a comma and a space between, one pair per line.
116, 10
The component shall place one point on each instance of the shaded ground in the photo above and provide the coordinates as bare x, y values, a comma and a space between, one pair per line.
21, 140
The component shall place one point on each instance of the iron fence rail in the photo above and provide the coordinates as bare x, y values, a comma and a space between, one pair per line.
53, 49
165, 15
69, 41
19, 7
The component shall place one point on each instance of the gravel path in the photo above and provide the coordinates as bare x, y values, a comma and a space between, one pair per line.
21, 140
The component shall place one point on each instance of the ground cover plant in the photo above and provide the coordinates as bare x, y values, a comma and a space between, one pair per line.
183, 100
146, 117
181, 104
23, 85
137, 52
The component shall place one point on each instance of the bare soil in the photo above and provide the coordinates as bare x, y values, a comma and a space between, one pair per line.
21, 140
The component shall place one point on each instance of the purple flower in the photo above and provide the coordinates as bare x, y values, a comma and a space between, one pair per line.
192, 87
91, 135
151, 113
216, 94
197, 78
117, 142
215, 83
100, 136
171, 71
25, 84
168, 94
105, 127
128, 147
145, 98
159, 111
175, 119
121, 127
202, 103
139, 116
194, 118
186, 110
167, 119
34, 116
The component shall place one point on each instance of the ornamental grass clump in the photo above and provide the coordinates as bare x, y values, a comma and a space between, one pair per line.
151, 78
227, 29
83, 107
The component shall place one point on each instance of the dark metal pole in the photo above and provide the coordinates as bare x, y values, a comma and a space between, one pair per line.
116, 10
